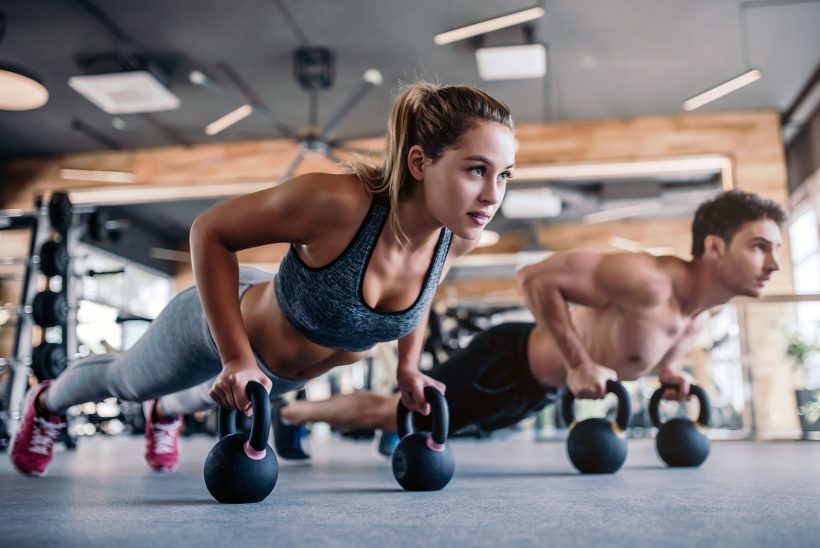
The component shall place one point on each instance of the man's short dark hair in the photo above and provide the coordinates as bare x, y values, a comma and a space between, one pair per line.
725, 214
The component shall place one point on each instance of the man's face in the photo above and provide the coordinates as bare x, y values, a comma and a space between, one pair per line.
747, 262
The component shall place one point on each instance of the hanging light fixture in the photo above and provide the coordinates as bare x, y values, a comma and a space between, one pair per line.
20, 89
734, 84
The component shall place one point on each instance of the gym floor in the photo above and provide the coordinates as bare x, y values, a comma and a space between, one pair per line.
506, 492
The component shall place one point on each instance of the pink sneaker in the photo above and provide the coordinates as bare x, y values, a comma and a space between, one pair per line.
34, 442
161, 437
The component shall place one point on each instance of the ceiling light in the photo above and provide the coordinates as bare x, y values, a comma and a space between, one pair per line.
229, 119
373, 76
127, 92
488, 238
119, 123
707, 163
624, 243
20, 89
169, 255
722, 89
197, 77
98, 175
618, 213
144, 193
530, 203
512, 62
489, 25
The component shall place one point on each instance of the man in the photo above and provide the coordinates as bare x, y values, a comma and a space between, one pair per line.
634, 314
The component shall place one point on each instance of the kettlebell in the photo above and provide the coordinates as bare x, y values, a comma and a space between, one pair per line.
598, 446
422, 461
242, 467
681, 441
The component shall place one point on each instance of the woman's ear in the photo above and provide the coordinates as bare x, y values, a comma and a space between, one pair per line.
415, 162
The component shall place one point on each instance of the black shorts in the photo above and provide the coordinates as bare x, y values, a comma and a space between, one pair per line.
489, 383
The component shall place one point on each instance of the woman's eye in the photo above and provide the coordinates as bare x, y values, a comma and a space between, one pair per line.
506, 175
478, 170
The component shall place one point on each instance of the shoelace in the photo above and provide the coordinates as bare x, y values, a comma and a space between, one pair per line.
164, 436
44, 435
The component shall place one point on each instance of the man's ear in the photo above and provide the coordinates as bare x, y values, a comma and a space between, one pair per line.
415, 162
714, 246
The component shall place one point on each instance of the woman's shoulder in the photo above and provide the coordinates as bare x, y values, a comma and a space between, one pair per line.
340, 198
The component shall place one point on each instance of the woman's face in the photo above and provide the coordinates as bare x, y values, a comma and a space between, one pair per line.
464, 187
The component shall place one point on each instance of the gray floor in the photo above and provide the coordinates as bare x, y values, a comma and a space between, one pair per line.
506, 492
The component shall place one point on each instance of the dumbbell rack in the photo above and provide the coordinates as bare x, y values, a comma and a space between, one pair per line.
54, 215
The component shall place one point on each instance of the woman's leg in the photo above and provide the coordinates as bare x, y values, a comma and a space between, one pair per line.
175, 353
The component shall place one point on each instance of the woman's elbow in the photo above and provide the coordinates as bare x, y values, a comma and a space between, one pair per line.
201, 231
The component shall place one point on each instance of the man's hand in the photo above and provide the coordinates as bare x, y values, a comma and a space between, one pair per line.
588, 380
678, 378
411, 383
228, 389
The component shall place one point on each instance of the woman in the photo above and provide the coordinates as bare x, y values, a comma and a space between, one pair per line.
368, 250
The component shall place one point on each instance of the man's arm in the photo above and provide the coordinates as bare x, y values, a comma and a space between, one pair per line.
593, 279
667, 369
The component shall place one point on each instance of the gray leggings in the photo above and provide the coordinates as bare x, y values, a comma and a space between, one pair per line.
176, 358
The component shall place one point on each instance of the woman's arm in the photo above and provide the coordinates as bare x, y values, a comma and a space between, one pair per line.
297, 212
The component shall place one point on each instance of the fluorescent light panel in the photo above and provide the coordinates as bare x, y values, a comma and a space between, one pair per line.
489, 25
228, 120
512, 62
722, 89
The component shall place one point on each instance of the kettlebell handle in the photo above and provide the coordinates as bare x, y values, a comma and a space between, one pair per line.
439, 411
260, 423
614, 387
694, 390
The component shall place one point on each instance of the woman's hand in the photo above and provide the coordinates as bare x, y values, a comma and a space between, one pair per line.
411, 385
228, 389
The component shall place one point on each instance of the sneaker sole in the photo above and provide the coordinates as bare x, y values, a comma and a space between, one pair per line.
24, 473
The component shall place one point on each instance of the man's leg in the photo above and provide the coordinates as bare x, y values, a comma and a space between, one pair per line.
346, 411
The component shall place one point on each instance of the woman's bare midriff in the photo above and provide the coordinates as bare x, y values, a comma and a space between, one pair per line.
285, 351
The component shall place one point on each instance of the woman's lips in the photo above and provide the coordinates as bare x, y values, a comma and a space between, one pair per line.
480, 219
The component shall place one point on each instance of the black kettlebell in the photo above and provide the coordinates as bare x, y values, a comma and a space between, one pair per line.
241, 467
681, 441
598, 446
422, 461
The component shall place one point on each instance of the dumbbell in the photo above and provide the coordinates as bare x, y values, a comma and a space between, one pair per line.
681, 441
102, 228
598, 446
48, 360
48, 309
52, 259
60, 212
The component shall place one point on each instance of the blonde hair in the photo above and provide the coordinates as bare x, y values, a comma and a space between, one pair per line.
434, 117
